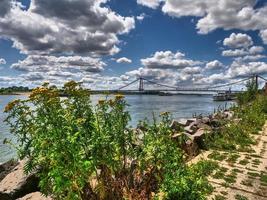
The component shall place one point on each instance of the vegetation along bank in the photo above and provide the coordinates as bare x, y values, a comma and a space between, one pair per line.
72, 150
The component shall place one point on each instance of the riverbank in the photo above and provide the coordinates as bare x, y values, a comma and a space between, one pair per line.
152, 161
14, 184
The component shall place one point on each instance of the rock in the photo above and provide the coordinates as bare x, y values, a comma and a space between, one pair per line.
182, 122
190, 147
185, 122
176, 135
205, 120
6, 168
229, 114
188, 129
192, 127
176, 125
204, 126
35, 196
191, 120
199, 138
199, 133
215, 123
16, 184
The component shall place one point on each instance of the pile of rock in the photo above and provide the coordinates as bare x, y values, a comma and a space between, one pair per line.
195, 129
16, 185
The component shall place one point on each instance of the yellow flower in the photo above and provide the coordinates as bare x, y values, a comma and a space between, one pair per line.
101, 101
11, 105
119, 96
111, 102
164, 113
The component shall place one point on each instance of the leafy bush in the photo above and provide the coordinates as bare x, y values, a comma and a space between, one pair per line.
85, 152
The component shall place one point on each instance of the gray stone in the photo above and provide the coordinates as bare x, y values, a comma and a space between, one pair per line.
6, 168
16, 184
229, 114
175, 125
204, 126
205, 120
35, 196
188, 129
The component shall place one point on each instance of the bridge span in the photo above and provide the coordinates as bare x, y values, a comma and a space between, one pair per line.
175, 89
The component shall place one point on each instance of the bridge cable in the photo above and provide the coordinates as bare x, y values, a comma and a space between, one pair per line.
228, 84
128, 84
163, 85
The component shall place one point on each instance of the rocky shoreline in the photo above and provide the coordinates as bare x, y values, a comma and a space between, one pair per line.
14, 184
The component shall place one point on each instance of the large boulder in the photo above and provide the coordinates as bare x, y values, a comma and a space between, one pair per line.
16, 184
176, 125
205, 120
35, 196
6, 168
229, 114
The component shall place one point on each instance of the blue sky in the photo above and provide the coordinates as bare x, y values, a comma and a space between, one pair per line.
106, 44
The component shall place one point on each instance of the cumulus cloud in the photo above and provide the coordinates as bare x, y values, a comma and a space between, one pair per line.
213, 65
242, 52
2, 61
238, 41
263, 35
238, 69
150, 3
5, 6
124, 60
50, 63
168, 59
81, 26
215, 14
141, 17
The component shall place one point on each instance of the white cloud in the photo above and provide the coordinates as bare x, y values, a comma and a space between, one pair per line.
168, 59
239, 69
238, 40
263, 34
250, 57
53, 63
124, 60
65, 27
243, 52
141, 17
2, 61
215, 14
213, 65
233, 53
150, 3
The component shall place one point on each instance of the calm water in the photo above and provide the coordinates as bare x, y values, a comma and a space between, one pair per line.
141, 106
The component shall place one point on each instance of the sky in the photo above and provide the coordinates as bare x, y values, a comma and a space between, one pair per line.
106, 44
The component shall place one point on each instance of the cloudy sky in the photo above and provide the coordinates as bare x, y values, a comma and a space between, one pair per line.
109, 43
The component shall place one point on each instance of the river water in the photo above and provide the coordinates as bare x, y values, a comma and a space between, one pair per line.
140, 107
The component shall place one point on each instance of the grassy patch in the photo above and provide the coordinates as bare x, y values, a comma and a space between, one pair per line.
240, 197
243, 162
232, 158
253, 174
256, 162
215, 155
219, 197
263, 178
247, 182
237, 170
231, 178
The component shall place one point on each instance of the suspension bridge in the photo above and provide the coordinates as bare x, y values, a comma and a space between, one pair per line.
141, 87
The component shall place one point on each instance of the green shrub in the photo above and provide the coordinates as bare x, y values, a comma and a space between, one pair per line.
85, 152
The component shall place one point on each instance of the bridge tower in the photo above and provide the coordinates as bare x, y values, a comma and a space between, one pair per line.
141, 84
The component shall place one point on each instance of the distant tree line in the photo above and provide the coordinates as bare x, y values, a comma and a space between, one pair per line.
13, 89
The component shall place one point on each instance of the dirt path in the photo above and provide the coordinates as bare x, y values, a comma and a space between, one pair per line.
241, 175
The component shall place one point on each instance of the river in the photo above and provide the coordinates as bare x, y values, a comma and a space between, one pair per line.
140, 107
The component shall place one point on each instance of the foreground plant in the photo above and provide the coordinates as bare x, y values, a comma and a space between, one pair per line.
85, 152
